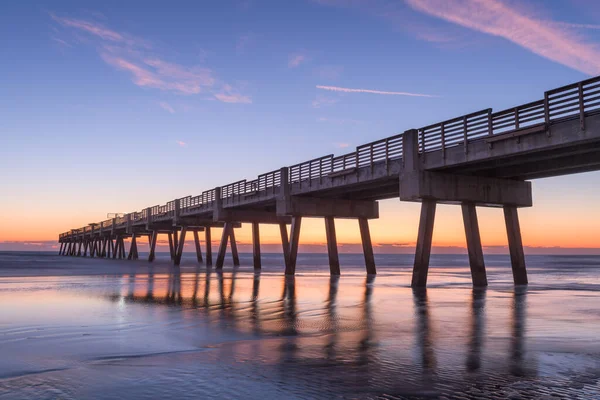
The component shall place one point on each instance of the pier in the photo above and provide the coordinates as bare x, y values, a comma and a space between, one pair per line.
482, 159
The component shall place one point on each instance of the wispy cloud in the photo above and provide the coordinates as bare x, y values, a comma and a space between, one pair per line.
296, 59
328, 72
229, 95
342, 145
167, 107
321, 101
349, 90
149, 69
180, 143
497, 18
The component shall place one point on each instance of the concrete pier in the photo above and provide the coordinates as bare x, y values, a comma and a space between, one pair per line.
484, 158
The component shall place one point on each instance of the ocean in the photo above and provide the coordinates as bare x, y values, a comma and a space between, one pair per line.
80, 328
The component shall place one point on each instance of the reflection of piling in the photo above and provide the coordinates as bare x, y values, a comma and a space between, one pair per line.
331, 309
477, 327
423, 334
517, 350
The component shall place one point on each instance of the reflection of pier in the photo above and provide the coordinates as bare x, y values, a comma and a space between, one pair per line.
233, 303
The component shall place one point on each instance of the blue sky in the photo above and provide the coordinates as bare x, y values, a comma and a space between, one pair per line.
114, 106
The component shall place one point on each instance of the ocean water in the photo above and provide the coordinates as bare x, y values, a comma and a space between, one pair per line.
74, 328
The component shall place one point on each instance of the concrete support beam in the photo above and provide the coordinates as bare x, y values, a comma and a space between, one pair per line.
61, 248
332, 251
367, 246
233, 244
175, 242
208, 240
515, 245
104, 244
171, 247
152, 253
455, 189
478, 274
198, 248
132, 247
256, 245
290, 268
423, 250
79, 248
250, 216
285, 244
180, 246
321, 207
223, 246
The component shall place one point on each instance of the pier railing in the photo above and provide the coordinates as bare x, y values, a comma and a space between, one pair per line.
574, 101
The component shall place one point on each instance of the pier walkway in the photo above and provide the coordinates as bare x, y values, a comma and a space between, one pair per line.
483, 158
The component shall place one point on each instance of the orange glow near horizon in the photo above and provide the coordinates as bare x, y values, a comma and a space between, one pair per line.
398, 224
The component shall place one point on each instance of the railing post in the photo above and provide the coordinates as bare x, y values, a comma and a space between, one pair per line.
581, 107
176, 211
516, 111
443, 141
387, 155
547, 112
129, 225
148, 217
466, 136
490, 123
371, 157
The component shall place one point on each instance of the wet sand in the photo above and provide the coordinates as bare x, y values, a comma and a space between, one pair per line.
135, 330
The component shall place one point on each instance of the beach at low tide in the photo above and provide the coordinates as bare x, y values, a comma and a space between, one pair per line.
75, 328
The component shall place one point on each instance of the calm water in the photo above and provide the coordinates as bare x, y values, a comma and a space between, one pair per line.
73, 328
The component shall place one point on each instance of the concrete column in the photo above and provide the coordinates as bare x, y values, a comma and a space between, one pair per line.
85, 247
180, 246
109, 247
285, 244
233, 244
60, 249
152, 253
423, 250
515, 245
79, 248
332, 251
92, 247
104, 243
294, 241
68, 249
208, 239
198, 248
256, 245
478, 274
175, 242
171, 248
365, 236
410, 150
123, 255
223, 245
131, 247
116, 249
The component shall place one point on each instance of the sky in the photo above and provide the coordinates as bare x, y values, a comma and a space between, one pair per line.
111, 106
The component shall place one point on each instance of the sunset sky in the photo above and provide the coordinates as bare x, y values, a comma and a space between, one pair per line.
113, 106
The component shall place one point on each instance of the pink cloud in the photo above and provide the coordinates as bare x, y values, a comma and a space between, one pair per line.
497, 18
180, 143
150, 70
296, 59
167, 107
229, 95
348, 90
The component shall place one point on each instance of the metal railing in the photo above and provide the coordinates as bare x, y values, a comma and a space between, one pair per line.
576, 100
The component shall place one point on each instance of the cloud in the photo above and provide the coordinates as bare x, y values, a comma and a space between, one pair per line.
348, 90
180, 143
496, 18
167, 107
342, 145
321, 101
296, 59
149, 69
61, 42
229, 95
329, 72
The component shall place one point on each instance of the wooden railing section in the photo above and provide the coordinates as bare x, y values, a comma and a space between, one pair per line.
576, 100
